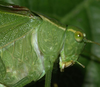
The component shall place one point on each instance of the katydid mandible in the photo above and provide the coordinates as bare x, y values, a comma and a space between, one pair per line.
30, 44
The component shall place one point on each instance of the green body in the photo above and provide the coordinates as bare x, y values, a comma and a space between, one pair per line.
30, 44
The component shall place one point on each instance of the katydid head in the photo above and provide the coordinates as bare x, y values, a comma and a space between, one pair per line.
73, 45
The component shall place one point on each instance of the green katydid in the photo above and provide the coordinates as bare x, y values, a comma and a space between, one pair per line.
30, 44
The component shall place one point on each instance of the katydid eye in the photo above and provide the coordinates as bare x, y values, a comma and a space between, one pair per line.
79, 36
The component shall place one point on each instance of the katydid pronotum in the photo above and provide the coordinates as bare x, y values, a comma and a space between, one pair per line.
30, 44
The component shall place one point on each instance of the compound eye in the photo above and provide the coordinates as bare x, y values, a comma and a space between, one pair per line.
79, 36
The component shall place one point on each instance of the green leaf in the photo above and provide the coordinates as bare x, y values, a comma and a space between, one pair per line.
84, 14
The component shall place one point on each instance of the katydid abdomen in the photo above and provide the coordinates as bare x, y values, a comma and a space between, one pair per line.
19, 59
